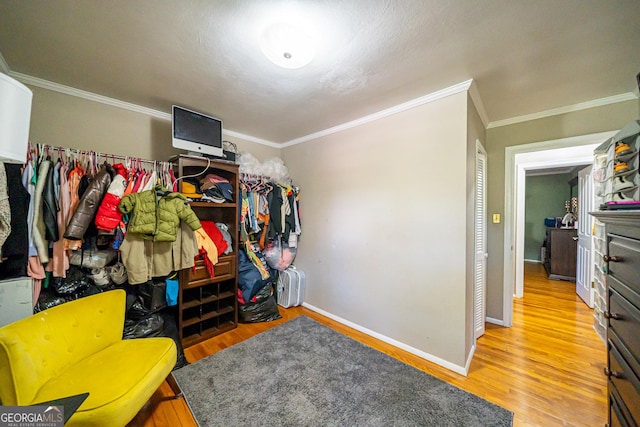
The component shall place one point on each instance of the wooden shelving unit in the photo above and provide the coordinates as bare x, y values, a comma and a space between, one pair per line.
208, 306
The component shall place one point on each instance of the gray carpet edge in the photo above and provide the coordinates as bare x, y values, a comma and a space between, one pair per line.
436, 410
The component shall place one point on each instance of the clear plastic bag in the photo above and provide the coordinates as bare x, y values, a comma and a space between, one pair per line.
279, 255
273, 168
92, 258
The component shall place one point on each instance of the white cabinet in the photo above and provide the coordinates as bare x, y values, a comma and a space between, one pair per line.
16, 297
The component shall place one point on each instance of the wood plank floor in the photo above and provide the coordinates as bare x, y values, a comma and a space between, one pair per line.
547, 368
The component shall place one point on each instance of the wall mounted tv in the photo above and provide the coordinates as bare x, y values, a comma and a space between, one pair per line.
196, 132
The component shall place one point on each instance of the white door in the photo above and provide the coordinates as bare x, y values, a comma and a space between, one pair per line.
584, 269
480, 265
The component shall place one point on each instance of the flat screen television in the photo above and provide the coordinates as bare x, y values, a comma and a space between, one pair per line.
196, 132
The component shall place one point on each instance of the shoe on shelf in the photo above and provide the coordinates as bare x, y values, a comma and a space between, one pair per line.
620, 167
621, 184
620, 197
622, 148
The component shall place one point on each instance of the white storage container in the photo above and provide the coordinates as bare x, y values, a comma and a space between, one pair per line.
16, 299
290, 287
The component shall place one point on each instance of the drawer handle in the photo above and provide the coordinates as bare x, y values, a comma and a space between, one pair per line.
609, 373
608, 258
614, 316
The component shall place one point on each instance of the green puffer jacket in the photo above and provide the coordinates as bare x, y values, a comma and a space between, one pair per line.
156, 214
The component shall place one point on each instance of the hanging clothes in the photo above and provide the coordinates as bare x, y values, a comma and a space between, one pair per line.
50, 204
60, 257
15, 250
39, 229
151, 180
156, 214
5, 208
28, 182
108, 216
89, 203
270, 217
145, 259
48, 195
138, 186
75, 176
35, 270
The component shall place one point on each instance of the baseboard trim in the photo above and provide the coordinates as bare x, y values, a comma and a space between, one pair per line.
494, 321
462, 370
469, 359
535, 261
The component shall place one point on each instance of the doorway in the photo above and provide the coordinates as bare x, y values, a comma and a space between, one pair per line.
519, 159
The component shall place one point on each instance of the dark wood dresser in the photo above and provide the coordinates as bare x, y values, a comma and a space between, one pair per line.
622, 264
561, 253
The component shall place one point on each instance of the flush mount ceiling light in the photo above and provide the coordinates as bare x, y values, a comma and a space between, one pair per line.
287, 45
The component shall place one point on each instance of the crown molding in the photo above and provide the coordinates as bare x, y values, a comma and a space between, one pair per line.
251, 138
451, 90
90, 96
477, 101
629, 96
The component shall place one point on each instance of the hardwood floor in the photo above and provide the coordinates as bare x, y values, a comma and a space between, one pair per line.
547, 368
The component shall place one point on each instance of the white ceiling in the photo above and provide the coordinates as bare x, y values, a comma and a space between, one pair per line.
525, 56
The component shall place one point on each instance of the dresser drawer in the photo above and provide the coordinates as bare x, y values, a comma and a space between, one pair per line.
624, 320
619, 415
225, 269
626, 383
624, 264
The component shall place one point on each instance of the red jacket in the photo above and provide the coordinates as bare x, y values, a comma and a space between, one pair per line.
108, 216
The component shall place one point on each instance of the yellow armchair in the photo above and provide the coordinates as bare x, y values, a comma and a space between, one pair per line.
77, 347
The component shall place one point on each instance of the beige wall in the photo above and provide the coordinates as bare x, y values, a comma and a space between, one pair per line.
68, 121
384, 235
593, 120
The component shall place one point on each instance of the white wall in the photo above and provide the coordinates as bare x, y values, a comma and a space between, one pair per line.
384, 216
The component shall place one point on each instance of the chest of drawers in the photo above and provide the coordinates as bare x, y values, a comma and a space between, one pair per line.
622, 265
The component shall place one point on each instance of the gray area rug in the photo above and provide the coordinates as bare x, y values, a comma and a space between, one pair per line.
302, 373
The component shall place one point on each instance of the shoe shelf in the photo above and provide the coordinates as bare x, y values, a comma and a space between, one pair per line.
618, 177
627, 173
599, 279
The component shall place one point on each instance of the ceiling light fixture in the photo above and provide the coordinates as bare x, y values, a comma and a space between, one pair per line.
287, 45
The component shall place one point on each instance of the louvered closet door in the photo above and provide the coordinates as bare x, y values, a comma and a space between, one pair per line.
480, 266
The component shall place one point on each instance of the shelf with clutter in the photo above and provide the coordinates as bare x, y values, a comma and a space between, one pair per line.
616, 166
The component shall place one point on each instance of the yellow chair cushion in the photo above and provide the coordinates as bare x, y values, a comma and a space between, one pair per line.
77, 347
